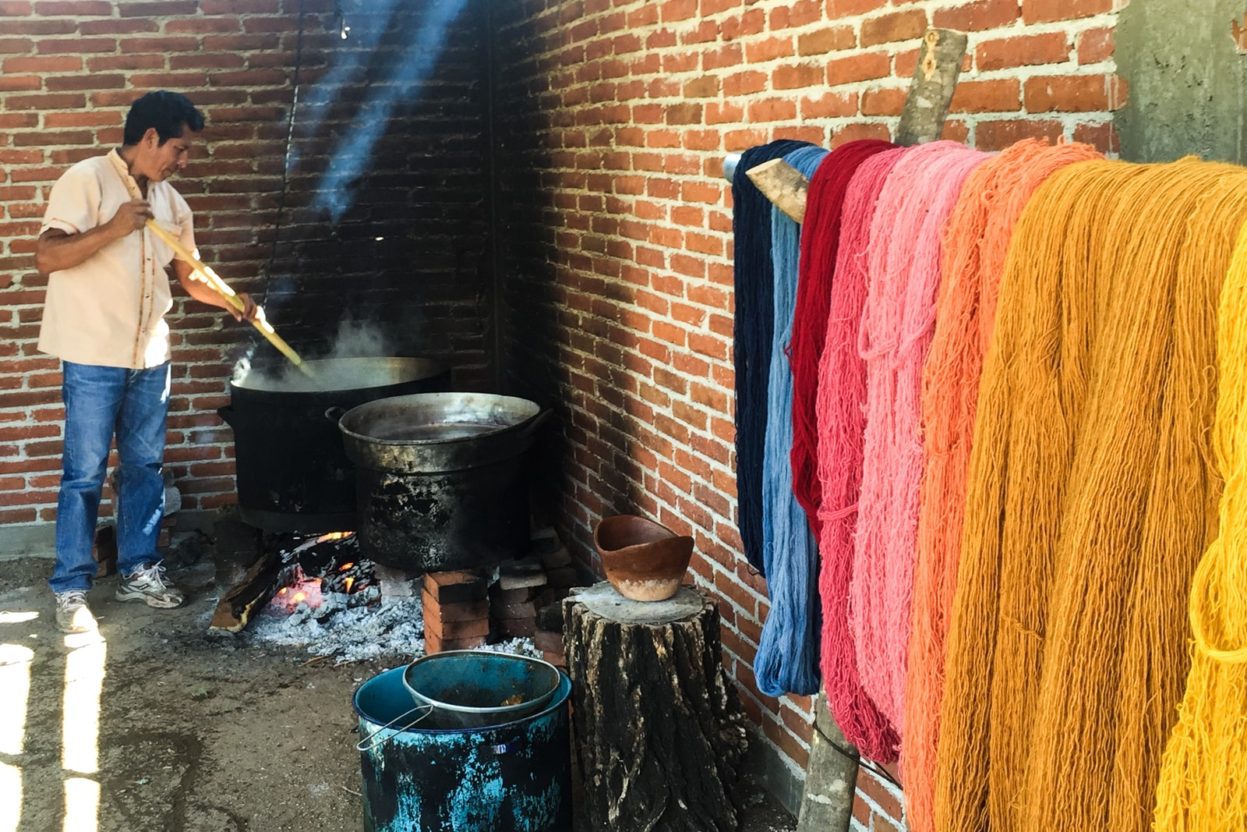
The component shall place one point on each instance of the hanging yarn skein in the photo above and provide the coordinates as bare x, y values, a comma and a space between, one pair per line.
753, 332
1155, 658
903, 266
820, 237
1141, 508
976, 241
787, 657
1202, 787
841, 427
1031, 397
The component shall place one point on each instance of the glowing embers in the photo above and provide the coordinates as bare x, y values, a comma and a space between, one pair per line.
324, 569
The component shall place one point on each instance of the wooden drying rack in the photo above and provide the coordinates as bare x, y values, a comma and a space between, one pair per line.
922, 120
833, 760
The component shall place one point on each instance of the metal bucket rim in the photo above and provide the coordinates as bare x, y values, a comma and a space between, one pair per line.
561, 694
484, 712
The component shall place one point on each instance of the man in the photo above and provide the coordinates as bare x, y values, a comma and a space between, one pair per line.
108, 293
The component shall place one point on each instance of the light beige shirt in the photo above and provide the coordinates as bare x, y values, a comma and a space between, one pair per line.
109, 310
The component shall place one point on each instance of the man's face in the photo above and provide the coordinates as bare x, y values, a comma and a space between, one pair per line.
163, 160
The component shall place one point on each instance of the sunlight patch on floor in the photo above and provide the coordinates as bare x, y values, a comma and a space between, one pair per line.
80, 734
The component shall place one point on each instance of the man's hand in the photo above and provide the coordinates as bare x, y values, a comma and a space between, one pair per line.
131, 216
249, 309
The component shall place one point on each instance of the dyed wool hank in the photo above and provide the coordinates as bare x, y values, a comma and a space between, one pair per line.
787, 657
1031, 397
903, 262
841, 425
753, 332
1141, 509
976, 241
1203, 787
820, 236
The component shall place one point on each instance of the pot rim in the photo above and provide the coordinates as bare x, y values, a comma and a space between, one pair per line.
430, 368
538, 413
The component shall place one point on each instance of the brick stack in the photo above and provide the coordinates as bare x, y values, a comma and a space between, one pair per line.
456, 610
561, 576
513, 599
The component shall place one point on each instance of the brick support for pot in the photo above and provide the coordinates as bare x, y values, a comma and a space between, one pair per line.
456, 610
659, 730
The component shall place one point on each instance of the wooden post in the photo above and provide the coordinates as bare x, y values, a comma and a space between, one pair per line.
935, 78
659, 731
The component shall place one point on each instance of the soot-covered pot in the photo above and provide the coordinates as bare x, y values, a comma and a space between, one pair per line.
443, 478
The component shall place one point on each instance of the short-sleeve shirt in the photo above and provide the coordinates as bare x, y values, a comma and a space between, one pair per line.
109, 309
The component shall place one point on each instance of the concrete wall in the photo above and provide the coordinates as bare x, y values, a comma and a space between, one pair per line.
1188, 84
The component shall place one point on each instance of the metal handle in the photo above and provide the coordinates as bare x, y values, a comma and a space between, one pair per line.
371, 742
334, 413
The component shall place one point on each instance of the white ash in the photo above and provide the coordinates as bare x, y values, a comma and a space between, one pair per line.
519, 646
348, 628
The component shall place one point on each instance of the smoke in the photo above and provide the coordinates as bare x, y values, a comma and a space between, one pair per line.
347, 62
335, 194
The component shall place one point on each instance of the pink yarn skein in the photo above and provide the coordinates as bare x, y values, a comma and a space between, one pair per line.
898, 321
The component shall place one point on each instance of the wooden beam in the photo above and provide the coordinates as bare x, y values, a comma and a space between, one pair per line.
783, 185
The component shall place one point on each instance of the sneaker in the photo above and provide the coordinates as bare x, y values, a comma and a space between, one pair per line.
149, 584
72, 613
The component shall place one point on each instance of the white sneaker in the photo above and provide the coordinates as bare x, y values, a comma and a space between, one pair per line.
72, 613
149, 585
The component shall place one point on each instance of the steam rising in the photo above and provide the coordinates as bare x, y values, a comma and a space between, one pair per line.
354, 339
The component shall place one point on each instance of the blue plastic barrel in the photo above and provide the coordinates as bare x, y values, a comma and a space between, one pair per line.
512, 777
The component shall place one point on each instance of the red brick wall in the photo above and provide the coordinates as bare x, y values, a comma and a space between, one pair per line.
411, 252
616, 240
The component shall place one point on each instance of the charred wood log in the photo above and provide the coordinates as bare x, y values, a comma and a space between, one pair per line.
659, 731
244, 599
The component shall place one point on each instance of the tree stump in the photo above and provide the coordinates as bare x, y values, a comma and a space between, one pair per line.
659, 731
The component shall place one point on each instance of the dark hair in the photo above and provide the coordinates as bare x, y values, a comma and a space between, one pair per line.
164, 110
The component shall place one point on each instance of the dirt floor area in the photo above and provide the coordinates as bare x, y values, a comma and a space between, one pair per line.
158, 725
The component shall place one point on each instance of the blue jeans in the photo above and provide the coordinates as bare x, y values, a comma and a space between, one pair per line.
101, 401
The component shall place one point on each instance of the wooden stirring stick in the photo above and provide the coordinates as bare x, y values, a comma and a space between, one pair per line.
207, 275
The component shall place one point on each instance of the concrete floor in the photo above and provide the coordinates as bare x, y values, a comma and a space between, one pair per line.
170, 728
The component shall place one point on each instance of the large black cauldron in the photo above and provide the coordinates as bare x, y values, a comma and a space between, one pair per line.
443, 478
292, 473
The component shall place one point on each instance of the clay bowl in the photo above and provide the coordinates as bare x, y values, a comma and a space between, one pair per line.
644, 560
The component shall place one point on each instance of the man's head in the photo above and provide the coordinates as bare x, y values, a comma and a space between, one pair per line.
160, 130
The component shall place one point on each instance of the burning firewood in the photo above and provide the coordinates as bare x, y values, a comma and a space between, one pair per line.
294, 577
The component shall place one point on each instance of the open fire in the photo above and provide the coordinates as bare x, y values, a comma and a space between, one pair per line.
316, 567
